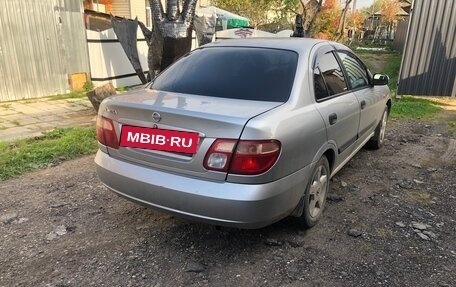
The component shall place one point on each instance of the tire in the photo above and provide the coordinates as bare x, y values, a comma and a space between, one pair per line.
315, 195
376, 142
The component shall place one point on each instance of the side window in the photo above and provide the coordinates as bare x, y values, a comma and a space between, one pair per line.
319, 85
357, 73
332, 74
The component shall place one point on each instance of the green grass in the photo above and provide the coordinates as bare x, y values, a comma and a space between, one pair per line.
414, 108
15, 122
70, 95
6, 106
24, 155
392, 69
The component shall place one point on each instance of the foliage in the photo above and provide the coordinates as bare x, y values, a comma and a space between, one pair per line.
88, 86
355, 19
283, 11
24, 155
255, 11
389, 10
121, 88
270, 14
328, 20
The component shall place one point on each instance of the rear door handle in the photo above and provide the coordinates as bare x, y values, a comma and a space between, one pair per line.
363, 104
332, 119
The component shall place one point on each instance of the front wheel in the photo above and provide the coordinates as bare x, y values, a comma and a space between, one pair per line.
379, 137
315, 195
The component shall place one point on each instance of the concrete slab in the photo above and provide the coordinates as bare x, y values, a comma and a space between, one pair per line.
44, 127
6, 124
16, 133
29, 118
6, 112
22, 120
74, 107
26, 109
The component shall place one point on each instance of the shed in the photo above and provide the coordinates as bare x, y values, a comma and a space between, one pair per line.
428, 66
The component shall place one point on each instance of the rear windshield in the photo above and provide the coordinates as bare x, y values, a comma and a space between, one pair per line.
231, 72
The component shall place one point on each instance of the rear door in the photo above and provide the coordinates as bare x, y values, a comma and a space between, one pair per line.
337, 105
368, 96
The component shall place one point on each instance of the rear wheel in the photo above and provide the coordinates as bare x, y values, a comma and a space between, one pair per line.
379, 137
316, 191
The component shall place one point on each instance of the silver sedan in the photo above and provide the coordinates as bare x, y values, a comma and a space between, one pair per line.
243, 132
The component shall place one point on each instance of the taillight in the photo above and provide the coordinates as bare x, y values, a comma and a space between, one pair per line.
255, 157
106, 133
249, 158
219, 155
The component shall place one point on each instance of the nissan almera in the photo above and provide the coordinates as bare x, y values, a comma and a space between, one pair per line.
243, 133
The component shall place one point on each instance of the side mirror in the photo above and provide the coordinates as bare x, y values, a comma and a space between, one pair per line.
380, 79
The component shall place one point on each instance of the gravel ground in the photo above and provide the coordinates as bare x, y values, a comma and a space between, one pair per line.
390, 221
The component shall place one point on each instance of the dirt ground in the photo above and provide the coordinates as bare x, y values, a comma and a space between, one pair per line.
390, 221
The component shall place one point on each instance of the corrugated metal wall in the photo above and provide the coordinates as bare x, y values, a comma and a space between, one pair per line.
400, 36
429, 60
41, 43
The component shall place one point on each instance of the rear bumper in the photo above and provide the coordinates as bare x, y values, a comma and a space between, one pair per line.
218, 203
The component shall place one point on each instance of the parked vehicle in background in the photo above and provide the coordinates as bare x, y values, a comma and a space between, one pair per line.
243, 132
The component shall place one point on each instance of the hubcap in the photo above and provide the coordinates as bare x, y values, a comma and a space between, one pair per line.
383, 127
317, 191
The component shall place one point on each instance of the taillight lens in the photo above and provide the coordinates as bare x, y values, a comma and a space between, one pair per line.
106, 133
249, 158
219, 155
255, 157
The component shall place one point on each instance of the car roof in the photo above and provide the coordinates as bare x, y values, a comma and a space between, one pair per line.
299, 45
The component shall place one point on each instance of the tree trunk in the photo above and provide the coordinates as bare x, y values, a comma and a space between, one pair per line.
171, 36
314, 16
97, 95
309, 18
340, 29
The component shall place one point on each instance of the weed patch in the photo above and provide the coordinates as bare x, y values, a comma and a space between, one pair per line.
414, 108
71, 95
15, 122
24, 155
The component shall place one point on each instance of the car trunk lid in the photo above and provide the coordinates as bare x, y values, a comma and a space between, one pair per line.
210, 117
